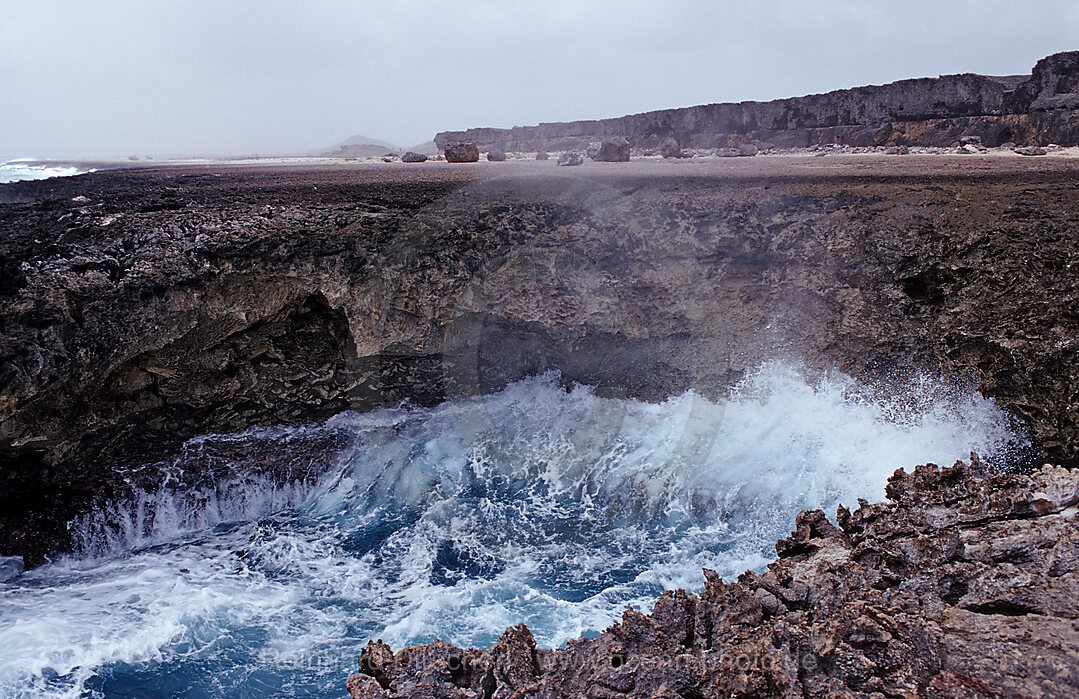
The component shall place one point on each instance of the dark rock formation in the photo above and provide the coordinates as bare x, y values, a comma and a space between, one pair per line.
462, 152
141, 308
1040, 109
964, 584
571, 158
610, 150
670, 149
411, 157
542, 155
496, 155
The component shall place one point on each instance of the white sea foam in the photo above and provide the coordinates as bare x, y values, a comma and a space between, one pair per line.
29, 169
534, 504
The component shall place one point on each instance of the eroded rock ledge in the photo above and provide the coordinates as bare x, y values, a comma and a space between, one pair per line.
965, 583
139, 309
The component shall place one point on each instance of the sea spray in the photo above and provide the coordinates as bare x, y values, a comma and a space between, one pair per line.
556, 508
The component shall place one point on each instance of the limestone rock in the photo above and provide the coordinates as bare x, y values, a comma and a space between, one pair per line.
670, 149
1040, 108
218, 311
611, 150
462, 152
570, 158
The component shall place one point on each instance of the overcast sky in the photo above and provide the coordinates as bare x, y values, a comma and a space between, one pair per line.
111, 78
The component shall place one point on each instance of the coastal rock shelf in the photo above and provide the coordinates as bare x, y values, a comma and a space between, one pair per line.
965, 583
142, 308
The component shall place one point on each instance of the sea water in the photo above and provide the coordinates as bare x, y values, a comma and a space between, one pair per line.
537, 504
29, 169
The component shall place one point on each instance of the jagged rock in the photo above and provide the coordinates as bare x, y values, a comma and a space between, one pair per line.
610, 150
897, 150
542, 155
462, 152
570, 158
1030, 150
496, 155
670, 149
411, 157
747, 149
964, 584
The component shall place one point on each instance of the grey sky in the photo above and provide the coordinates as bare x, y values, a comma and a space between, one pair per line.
101, 78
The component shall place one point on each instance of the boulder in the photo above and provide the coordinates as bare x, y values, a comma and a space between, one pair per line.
1029, 150
897, 150
542, 155
747, 149
670, 149
496, 155
411, 157
570, 157
462, 152
610, 150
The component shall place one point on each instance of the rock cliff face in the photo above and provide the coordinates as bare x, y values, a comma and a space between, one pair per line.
964, 584
1036, 110
142, 308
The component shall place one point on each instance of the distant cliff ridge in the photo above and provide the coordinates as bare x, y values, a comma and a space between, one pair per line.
1038, 109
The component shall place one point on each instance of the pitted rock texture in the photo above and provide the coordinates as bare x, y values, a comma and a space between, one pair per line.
140, 309
1038, 109
965, 583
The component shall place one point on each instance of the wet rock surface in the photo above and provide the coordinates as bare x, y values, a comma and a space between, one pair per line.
140, 309
965, 583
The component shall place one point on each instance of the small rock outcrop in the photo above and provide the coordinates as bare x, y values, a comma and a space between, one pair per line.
610, 150
542, 155
570, 158
411, 157
462, 152
1030, 150
496, 155
965, 583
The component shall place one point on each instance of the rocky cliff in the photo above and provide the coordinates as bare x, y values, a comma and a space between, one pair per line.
1036, 110
965, 584
142, 308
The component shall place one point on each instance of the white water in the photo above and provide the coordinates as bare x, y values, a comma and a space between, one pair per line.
28, 169
558, 509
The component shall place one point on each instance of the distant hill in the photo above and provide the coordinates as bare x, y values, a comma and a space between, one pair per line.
428, 148
360, 146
